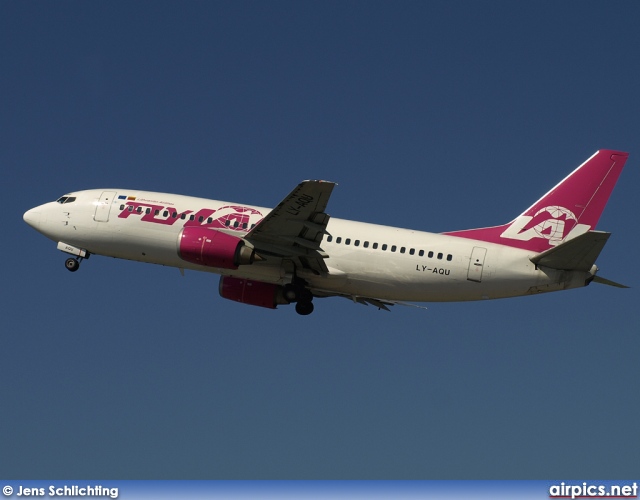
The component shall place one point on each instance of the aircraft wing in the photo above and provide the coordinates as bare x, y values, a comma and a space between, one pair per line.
380, 303
295, 227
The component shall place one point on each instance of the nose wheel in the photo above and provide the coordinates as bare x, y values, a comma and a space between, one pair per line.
72, 264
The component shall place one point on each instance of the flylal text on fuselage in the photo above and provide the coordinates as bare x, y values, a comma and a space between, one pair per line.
229, 216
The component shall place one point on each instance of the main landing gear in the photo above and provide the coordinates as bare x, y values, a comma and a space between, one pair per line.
298, 293
304, 308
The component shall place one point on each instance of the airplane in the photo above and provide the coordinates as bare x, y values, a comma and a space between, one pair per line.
296, 252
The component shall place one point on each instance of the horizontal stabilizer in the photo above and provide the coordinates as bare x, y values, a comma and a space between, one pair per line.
577, 254
605, 281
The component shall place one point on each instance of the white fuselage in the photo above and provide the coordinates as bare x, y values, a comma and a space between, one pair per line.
363, 259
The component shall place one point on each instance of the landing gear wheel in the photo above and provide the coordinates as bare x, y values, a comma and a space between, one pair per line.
304, 308
305, 296
72, 265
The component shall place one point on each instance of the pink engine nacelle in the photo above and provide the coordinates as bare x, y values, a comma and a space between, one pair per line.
212, 248
254, 293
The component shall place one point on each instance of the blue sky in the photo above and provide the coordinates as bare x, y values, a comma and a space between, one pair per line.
430, 115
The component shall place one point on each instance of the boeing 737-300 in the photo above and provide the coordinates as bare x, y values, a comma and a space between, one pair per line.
295, 252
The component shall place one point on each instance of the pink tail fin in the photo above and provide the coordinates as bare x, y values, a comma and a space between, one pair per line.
571, 208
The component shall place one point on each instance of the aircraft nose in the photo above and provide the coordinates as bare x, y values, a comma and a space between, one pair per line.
33, 217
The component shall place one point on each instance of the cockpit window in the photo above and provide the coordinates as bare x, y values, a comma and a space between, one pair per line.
66, 199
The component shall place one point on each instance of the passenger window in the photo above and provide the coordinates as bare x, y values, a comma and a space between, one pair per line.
347, 241
421, 253
440, 256
244, 225
449, 257
384, 247
201, 219
393, 248
192, 217
356, 243
430, 255
412, 251
209, 220
366, 244
375, 246
236, 224
174, 215
329, 238
139, 210
183, 216
147, 211
130, 208
227, 222
121, 207
339, 239
402, 250
157, 212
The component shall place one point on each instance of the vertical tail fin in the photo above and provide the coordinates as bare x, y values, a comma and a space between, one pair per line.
570, 209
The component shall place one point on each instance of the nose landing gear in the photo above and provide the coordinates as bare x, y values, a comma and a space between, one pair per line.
72, 264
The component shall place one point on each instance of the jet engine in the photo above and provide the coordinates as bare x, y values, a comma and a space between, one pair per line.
254, 293
211, 248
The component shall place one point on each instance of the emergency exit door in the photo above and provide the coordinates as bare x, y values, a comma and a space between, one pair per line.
476, 264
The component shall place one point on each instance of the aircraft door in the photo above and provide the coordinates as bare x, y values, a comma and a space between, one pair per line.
476, 264
104, 206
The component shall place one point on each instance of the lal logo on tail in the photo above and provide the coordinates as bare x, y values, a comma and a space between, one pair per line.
554, 224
